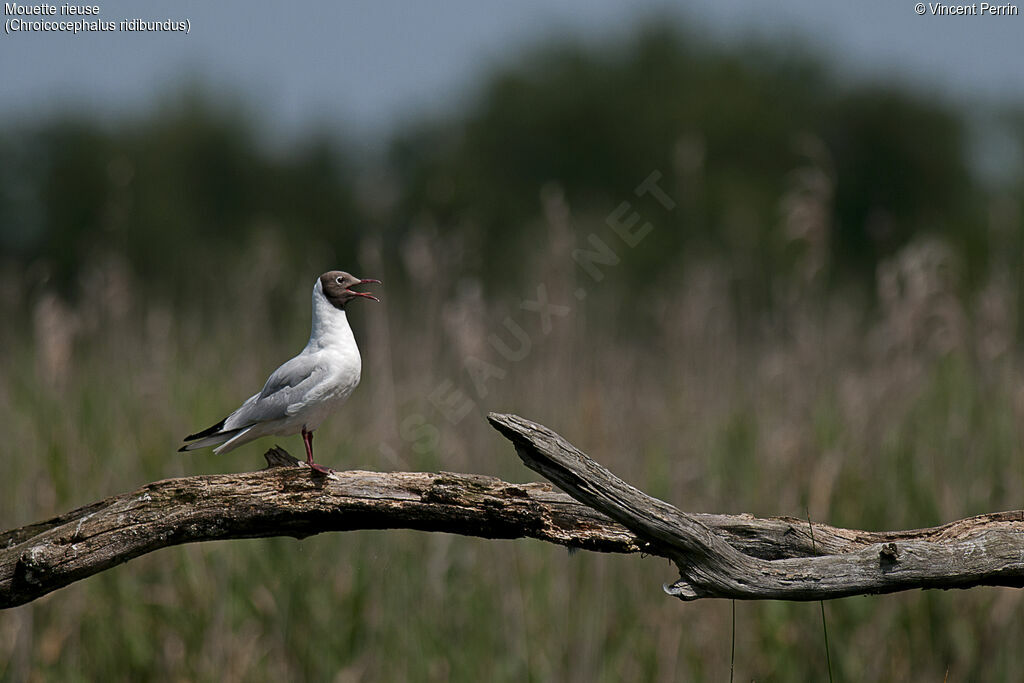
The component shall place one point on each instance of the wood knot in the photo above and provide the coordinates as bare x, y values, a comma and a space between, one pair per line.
889, 554
279, 457
34, 564
444, 493
515, 491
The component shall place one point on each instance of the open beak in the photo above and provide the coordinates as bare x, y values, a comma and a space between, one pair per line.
368, 281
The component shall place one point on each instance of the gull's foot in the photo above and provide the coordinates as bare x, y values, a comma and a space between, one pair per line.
320, 468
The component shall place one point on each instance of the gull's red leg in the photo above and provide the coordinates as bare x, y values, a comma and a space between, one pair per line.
307, 440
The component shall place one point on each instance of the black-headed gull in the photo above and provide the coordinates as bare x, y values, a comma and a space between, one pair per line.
300, 394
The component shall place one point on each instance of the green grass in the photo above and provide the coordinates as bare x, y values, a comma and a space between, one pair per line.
858, 427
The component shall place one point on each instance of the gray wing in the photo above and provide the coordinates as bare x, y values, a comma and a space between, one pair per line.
282, 395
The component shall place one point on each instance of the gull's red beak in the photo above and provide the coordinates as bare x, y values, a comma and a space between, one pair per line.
368, 281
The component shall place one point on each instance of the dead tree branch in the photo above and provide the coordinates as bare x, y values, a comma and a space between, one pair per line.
287, 499
736, 556
986, 550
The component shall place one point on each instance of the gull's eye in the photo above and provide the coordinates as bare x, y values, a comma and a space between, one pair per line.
338, 280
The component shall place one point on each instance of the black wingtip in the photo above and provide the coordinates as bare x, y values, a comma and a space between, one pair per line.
210, 431
183, 449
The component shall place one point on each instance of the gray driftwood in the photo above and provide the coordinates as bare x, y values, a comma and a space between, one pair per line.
985, 550
736, 556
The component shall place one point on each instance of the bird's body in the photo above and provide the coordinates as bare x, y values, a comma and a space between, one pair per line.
301, 393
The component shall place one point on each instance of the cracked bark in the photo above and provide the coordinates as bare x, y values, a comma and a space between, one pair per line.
732, 556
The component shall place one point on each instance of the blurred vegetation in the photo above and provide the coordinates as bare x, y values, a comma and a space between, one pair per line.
827, 323
726, 129
171, 195
733, 133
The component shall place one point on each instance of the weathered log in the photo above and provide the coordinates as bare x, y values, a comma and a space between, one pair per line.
762, 558
288, 499
986, 550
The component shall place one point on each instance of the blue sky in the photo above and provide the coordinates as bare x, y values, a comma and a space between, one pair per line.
369, 66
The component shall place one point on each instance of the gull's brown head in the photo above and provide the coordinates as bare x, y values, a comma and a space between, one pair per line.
338, 287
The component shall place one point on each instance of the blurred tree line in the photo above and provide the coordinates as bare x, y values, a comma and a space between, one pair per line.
774, 168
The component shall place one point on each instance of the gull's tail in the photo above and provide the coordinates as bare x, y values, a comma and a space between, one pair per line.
209, 437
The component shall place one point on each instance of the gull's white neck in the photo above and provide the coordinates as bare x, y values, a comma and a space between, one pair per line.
330, 325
